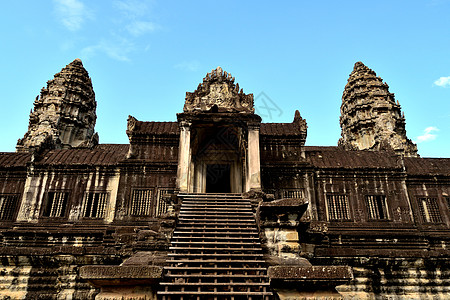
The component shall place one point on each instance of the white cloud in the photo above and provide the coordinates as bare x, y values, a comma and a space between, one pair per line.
118, 49
124, 36
428, 135
443, 82
190, 66
140, 27
132, 8
71, 13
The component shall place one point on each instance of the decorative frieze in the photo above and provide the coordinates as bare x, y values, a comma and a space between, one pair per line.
219, 93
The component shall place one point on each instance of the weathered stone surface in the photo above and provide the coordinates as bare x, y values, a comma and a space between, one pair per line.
121, 272
64, 113
313, 273
218, 93
130, 282
308, 282
146, 258
370, 118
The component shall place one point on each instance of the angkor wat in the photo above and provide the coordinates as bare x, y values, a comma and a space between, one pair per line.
219, 205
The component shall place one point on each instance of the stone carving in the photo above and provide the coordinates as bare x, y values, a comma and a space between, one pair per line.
219, 93
370, 117
300, 122
64, 113
131, 123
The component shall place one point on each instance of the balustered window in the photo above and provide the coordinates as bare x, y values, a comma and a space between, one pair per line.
376, 206
141, 202
162, 205
429, 210
55, 205
338, 208
8, 205
95, 204
293, 193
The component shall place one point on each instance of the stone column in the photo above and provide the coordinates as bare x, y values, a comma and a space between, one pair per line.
253, 180
184, 157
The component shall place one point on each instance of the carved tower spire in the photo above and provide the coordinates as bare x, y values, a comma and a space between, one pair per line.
370, 117
64, 113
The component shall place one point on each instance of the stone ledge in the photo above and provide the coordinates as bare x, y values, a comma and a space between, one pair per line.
122, 275
288, 202
327, 274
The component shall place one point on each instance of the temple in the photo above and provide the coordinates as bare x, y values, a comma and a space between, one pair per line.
219, 205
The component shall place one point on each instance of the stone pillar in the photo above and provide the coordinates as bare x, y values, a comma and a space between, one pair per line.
184, 157
253, 178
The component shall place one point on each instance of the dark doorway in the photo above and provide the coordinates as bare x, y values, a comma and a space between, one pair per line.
218, 178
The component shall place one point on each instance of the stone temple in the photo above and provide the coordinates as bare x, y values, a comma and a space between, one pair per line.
219, 205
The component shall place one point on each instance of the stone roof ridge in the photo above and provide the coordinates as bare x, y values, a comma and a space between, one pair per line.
136, 127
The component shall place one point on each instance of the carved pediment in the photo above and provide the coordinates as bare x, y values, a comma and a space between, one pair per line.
218, 92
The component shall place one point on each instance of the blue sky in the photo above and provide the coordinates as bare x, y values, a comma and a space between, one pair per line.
144, 55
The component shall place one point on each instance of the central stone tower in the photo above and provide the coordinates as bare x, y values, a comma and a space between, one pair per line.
219, 138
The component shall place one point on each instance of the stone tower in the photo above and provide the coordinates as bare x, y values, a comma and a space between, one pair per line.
64, 113
370, 117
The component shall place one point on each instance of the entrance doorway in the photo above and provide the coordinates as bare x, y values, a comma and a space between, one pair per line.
218, 178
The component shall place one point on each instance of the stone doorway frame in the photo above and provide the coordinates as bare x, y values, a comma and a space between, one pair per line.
188, 180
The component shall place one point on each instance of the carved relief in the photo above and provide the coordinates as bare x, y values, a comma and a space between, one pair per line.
370, 117
64, 113
218, 91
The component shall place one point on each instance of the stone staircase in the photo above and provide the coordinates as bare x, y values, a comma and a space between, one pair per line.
215, 251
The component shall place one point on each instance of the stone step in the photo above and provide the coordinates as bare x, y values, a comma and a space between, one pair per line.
210, 195
216, 214
216, 261
215, 251
176, 293
217, 283
224, 242
210, 228
226, 276
230, 225
218, 218
215, 238
217, 233
215, 255
216, 269
216, 210
213, 204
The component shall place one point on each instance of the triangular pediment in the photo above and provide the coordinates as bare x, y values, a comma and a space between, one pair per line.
218, 92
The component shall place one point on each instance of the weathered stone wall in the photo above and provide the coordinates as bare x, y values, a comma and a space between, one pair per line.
41, 256
159, 179
76, 182
398, 277
50, 275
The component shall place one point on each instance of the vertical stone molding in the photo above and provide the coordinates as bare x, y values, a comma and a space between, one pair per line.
371, 119
184, 157
253, 162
